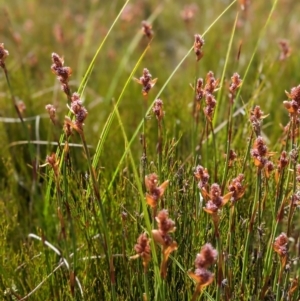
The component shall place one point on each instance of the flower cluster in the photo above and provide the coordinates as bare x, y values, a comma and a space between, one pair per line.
63, 73
283, 161
188, 13
232, 156
158, 109
198, 44
285, 49
147, 29
203, 277
260, 154
236, 82
211, 83
202, 176
155, 192
298, 173
293, 105
244, 4
54, 163
146, 81
207, 91
79, 111
3, 55
237, 188
210, 106
52, 112
295, 199
256, 117
280, 246
142, 249
216, 201
165, 226
200, 92
162, 237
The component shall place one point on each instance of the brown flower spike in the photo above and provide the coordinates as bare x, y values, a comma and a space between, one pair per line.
202, 176
237, 188
63, 73
146, 81
260, 154
162, 237
198, 44
188, 13
158, 109
215, 203
280, 246
143, 250
211, 83
203, 277
256, 117
285, 49
3, 55
54, 163
236, 82
52, 112
155, 191
79, 111
147, 29
293, 105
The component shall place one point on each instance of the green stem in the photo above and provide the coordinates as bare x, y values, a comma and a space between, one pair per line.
256, 204
229, 130
107, 247
215, 152
220, 267
146, 285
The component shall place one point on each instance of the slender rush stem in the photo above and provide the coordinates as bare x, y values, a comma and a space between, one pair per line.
255, 206
106, 245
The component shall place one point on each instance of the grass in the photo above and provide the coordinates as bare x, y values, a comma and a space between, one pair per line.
84, 214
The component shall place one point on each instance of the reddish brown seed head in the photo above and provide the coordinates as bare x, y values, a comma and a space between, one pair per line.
280, 244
